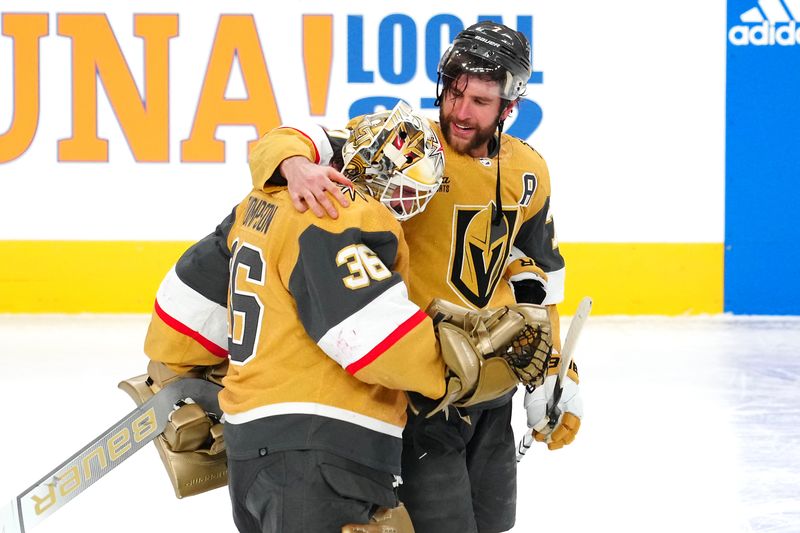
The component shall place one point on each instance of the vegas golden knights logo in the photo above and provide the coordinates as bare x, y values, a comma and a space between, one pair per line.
479, 252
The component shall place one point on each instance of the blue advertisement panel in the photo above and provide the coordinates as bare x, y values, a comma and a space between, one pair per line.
762, 233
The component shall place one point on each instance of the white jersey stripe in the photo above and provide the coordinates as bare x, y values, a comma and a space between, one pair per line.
555, 287
309, 408
192, 309
358, 334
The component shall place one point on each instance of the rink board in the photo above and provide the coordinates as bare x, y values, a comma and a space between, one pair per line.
123, 276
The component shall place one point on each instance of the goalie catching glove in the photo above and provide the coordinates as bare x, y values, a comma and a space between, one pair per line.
490, 351
569, 408
191, 447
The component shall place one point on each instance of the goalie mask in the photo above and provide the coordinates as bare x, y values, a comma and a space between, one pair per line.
397, 157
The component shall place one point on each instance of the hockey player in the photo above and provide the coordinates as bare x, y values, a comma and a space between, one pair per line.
491, 220
322, 338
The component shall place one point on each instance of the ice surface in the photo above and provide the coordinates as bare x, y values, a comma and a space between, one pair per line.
692, 424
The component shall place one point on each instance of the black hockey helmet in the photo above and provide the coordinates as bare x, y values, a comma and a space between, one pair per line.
491, 50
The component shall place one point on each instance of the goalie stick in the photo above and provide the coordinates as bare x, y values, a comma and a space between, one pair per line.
553, 412
100, 456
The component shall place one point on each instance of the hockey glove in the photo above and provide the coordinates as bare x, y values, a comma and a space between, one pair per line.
566, 417
489, 352
527, 280
191, 447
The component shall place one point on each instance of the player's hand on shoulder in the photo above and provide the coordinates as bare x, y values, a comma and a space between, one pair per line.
310, 185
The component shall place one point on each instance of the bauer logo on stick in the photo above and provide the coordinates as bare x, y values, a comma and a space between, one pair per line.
91, 464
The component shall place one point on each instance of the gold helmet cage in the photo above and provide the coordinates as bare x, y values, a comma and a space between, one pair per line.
398, 157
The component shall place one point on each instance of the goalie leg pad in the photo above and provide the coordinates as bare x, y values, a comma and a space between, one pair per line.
191, 471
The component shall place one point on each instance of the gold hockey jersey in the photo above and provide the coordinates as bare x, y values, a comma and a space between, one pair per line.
322, 337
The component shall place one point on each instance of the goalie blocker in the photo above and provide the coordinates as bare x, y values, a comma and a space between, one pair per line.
489, 352
191, 447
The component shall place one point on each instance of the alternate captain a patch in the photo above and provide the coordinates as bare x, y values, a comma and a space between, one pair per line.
528, 188
479, 251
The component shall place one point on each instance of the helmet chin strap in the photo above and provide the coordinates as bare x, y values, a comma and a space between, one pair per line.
438, 101
498, 215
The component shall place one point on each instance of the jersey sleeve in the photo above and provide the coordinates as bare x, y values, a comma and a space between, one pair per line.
309, 140
537, 240
188, 325
356, 309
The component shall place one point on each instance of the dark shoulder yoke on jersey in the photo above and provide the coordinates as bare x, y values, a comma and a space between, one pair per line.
336, 274
336, 161
535, 239
204, 266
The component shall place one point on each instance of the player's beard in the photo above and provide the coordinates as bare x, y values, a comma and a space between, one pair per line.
480, 136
